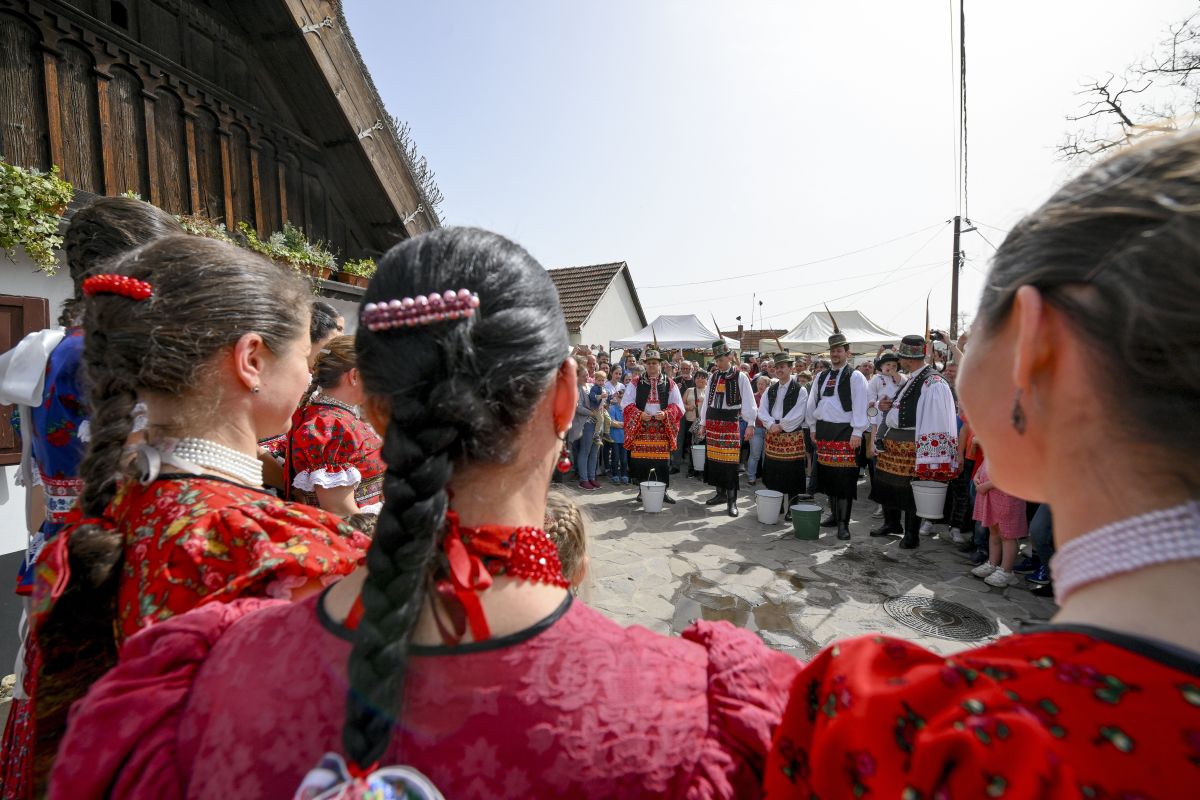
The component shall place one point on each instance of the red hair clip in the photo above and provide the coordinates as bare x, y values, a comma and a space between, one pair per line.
123, 285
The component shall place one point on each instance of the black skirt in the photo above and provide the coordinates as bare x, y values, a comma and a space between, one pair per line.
639, 470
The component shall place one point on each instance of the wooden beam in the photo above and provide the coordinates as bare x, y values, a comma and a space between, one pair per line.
227, 178
149, 102
282, 172
53, 109
108, 160
260, 222
189, 122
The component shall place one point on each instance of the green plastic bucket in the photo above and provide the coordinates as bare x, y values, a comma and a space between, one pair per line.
806, 521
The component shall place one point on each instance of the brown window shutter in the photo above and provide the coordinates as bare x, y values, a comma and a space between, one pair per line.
18, 316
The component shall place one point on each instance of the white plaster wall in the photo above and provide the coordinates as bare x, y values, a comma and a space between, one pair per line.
349, 310
21, 278
614, 317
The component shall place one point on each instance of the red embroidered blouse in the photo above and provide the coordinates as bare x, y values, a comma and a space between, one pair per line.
1065, 712
193, 541
331, 447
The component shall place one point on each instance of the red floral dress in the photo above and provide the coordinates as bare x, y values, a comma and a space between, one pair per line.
1069, 711
193, 541
331, 447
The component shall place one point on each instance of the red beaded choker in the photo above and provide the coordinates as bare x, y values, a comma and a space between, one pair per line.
471, 558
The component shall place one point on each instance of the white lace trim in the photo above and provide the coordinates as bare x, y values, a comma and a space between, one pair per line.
308, 480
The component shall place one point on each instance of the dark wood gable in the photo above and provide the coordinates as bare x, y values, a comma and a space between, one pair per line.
217, 107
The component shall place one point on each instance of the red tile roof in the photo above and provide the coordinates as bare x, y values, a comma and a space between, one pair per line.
580, 289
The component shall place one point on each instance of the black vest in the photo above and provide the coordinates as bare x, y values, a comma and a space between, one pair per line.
733, 393
789, 397
843, 386
908, 403
643, 392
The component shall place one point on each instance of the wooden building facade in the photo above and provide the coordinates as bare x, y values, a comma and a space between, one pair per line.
256, 111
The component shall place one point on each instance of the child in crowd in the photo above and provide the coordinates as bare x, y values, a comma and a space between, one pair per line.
1004, 517
617, 455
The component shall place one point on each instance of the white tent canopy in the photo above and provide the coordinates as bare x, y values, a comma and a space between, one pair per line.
674, 332
812, 334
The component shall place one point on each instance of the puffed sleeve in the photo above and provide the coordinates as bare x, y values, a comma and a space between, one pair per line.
747, 691
879, 717
122, 740
323, 449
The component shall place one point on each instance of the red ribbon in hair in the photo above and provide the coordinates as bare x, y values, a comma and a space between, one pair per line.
123, 285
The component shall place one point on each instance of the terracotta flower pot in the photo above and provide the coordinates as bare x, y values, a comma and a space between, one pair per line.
345, 277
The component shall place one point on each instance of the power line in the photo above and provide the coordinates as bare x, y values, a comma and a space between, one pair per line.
851, 294
877, 285
794, 266
962, 33
741, 296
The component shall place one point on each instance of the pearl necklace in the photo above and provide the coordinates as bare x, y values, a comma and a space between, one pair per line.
204, 453
326, 400
1158, 537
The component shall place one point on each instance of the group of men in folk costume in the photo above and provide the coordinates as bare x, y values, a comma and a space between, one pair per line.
918, 440
651, 409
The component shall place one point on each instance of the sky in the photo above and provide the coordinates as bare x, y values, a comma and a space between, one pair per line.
720, 148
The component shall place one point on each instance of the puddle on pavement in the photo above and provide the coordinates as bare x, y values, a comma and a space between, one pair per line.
699, 598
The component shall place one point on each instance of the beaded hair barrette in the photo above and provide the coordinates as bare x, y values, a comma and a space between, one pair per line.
411, 312
123, 285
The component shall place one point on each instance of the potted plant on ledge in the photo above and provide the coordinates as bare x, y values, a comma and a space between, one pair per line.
31, 207
360, 271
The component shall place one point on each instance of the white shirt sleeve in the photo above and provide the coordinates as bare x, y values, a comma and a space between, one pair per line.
676, 399
794, 419
628, 397
937, 421
810, 413
858, 403
749, 410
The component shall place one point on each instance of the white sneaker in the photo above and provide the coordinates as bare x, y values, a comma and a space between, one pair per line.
877, 513
1000, 578
926, 527
984, 569
957, 536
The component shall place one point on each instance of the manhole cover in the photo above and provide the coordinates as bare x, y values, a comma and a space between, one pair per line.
940, 618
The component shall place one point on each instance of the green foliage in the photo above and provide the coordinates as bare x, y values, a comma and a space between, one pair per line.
290, 245
362, 267
31, 207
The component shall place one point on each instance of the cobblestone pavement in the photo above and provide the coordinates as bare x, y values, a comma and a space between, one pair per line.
693, 562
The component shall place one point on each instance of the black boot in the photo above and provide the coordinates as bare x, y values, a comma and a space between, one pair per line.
830, 520
912, 531
668, 499
891, 523
717, 498
843, 523
731, 508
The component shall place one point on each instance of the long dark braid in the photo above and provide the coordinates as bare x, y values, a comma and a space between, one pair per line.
458, 392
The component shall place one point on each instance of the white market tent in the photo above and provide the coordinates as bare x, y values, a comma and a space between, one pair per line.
674, 332
812, 334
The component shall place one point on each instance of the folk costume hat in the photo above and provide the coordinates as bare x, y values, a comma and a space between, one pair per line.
652, 353
837, 338
784, 358
720, 349
912, 346
889, 355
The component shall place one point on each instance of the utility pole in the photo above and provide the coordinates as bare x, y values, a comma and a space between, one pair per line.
955, 265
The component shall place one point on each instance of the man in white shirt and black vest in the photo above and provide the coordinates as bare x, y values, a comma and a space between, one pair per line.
729, 396
782, 412
837, 412
917, 440
651, 409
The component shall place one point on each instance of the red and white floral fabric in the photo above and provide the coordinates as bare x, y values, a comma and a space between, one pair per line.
331, 447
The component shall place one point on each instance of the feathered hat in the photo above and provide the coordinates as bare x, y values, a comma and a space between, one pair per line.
837, 338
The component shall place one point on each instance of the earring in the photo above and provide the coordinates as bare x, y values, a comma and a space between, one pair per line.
564, 458
1018, 414
255, 390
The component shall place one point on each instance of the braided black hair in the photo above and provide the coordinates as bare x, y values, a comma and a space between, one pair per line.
458, 391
